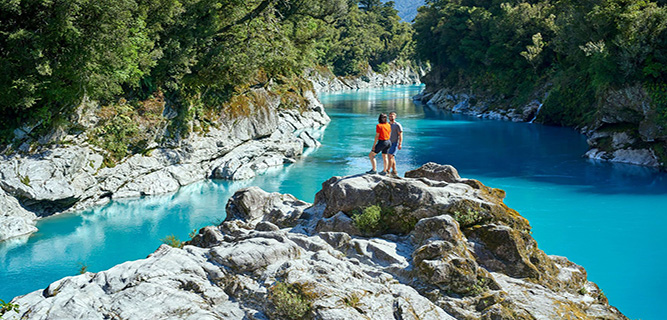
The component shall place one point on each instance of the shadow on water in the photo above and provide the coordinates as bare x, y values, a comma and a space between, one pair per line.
530, 151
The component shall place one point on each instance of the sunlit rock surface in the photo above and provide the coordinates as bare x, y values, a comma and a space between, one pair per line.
445, 248
325, 81
73, 177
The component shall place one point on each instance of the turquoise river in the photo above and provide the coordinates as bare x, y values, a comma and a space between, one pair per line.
609, 218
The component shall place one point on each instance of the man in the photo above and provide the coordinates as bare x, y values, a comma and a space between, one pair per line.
396, 139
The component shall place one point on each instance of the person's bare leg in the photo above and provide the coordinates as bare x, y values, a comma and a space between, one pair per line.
372, 157
385, 162
392, 160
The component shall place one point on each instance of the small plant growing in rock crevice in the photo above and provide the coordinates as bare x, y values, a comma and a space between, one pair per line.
24, 179
7, 307
602, 297
353, 300
292, 300
172, 241
377, 220
468, 218
368, 220
482, 285
83, 268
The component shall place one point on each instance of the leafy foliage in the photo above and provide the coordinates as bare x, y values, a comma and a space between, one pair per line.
172, 241
377, 220
508, 48
368, 221
7, 307
199, 54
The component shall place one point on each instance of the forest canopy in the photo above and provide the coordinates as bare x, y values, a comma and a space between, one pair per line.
54, 54
514, 48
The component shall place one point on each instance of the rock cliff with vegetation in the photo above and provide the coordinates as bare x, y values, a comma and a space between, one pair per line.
599, 66
428, 246
393, 73
139, 97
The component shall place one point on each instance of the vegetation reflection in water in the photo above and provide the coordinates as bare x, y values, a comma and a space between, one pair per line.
605, 217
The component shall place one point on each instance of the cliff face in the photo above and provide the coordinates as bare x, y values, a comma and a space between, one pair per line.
442, 247
625, 128
72, 176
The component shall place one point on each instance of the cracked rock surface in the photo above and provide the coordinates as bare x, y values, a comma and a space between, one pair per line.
446, 248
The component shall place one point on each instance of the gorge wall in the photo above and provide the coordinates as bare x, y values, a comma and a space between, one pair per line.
624, 127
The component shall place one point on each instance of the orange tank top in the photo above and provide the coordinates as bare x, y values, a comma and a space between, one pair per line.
384, 129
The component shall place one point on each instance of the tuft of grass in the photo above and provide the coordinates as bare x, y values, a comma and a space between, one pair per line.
193, 233
292, 300
172, 241
353, 300
583, 291
25, 179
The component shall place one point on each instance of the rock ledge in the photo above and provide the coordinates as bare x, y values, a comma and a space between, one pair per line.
463, 255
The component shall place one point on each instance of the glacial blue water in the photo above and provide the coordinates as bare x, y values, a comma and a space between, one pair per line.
609, 218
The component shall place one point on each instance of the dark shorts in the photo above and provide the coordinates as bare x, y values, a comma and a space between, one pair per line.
393, 148
382, 146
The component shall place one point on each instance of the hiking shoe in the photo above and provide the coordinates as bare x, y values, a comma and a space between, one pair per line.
393, 174
383, 173
371, 172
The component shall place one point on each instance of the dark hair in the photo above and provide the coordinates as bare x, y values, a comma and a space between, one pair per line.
382, 118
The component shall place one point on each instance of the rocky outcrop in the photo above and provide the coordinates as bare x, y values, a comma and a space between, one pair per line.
14, 220
325, 81
73, 177
465, 103
625, 128
444, 248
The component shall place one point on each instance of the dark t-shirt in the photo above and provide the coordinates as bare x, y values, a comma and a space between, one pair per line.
396, 128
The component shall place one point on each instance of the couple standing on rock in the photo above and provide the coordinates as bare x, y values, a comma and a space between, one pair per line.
388, 140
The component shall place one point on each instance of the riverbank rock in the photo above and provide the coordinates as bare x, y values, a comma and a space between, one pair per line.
444, 248
626, 127
325, 81
73, 177
14, 220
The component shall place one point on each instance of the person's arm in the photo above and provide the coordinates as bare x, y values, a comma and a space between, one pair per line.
400, 140
377, 137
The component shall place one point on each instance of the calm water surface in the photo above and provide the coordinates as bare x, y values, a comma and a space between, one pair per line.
609, 218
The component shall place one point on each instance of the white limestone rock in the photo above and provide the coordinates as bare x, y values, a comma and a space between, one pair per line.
14, 220
442, 268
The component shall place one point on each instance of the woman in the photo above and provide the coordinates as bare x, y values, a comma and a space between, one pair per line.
381, 144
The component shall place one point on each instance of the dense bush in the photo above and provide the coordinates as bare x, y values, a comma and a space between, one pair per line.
583, 48
55, 54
